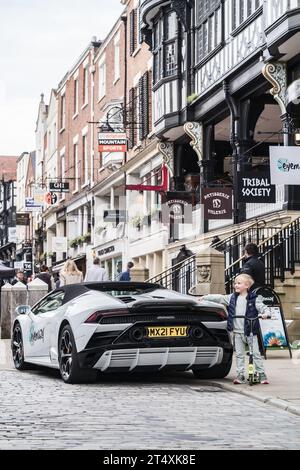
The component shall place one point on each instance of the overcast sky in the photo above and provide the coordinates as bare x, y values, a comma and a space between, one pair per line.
39, 41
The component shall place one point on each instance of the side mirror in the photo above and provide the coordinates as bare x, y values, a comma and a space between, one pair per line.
23, 309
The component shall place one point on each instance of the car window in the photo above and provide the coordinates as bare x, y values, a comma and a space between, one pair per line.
52, 302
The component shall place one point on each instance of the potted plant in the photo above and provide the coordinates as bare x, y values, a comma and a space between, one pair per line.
80, 239
73, 243
86, 237
191, 98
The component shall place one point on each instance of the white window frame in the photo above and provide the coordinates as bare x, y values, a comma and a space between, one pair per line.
85, 159
76, 97
62, 117
102, 78
76, 169
62, 172
85, 86
117, 57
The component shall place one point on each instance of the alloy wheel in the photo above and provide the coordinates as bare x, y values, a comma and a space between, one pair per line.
17, 347
66, 349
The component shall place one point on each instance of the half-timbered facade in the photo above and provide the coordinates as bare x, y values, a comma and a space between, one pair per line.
221, 69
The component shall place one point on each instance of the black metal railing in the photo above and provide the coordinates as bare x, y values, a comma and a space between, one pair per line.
279, 247
279, 252
180, 277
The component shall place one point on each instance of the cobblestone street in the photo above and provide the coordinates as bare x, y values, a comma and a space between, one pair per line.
38, 411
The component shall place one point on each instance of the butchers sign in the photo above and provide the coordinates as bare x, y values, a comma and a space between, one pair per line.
256, 188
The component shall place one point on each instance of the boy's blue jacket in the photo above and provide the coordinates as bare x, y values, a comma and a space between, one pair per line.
251, 312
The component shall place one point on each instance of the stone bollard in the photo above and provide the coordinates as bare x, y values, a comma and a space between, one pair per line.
37, 289
139, 273
18, 297
210, 266
5, 311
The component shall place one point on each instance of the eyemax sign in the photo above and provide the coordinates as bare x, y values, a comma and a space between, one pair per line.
285, 165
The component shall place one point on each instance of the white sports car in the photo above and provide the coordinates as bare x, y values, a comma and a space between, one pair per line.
82, 329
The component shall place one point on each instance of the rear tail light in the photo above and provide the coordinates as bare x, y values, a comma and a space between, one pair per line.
96, 316
222, 315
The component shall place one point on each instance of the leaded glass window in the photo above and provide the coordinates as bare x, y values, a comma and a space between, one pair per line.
242, 10
209, 27
165, 40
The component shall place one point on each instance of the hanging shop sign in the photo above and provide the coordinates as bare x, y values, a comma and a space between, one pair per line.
217, 203
27, 266
177, 207
115, 216
12, 234
22, 218
285, 165
256, 187
112, 142
59, 187
31, 205
51, 198
39, 194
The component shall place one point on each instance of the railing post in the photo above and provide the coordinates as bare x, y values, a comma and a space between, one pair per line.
210, 268
6, 311
139, 273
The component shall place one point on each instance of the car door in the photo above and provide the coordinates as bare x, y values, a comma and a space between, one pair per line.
41, 325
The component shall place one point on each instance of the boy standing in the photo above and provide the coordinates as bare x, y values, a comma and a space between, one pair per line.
243, 302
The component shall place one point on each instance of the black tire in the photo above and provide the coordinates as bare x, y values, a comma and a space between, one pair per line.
69, 368
216, 372
17, 348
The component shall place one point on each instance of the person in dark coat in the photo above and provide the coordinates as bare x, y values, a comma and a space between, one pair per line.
125, 275
183, 254
45, 276
253, 266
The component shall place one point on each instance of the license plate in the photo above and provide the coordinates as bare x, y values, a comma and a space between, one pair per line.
166, 331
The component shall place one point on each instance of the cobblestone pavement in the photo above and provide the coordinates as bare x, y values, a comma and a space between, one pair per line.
39, 411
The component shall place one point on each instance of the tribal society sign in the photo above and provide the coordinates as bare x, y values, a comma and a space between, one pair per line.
255, 187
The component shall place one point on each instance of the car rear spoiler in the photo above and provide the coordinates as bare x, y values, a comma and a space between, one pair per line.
162, 303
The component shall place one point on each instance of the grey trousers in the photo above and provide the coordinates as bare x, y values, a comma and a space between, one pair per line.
240, 341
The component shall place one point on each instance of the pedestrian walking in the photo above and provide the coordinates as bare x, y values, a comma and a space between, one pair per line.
95, 273
45, 276
70, 274
253, 266
243, 302
125, 275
